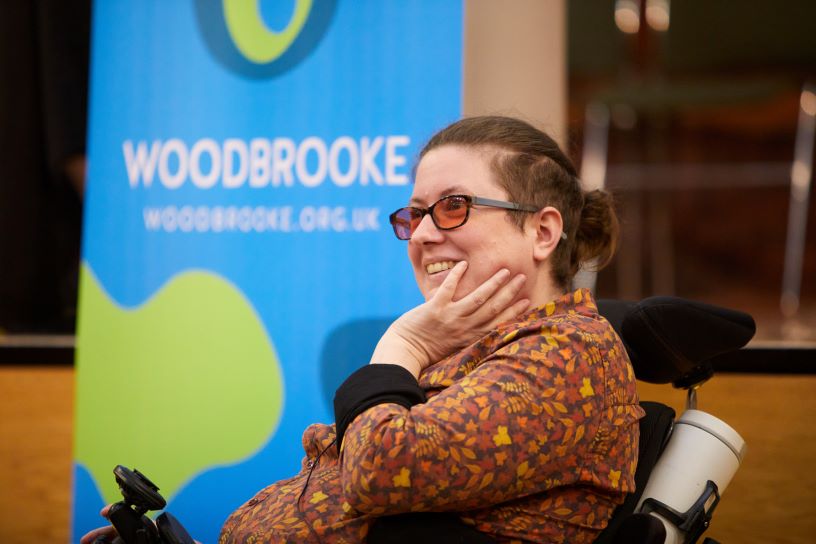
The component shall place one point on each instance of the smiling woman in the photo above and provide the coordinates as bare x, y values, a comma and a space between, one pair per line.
505, 400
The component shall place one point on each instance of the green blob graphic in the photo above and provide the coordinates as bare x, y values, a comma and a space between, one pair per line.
253, 39
184, 382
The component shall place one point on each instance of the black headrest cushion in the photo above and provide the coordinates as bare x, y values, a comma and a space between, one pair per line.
667, 337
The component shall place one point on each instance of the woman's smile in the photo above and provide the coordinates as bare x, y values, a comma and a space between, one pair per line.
441, 266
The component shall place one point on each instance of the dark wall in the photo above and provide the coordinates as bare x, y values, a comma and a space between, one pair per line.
43, 95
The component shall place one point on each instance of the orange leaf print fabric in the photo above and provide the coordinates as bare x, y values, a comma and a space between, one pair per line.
530, 434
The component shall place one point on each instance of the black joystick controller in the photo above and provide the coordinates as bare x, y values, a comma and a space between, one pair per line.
128, 516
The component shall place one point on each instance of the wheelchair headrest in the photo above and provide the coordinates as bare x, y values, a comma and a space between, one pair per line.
668, 338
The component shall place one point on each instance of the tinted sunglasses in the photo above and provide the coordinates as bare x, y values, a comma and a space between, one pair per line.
447, 213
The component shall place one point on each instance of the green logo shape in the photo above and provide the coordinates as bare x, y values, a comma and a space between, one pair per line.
182, 383
251, 36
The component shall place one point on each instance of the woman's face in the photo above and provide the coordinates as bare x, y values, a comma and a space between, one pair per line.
488, 241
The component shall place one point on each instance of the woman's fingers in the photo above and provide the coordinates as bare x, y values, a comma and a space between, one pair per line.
449, 284
483, 293
432, 330
493, 296
477, 298
108, 532
493, 310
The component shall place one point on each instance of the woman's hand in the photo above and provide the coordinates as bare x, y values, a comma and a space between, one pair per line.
108, 532
435, 329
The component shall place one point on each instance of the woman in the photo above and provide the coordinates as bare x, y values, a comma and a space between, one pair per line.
523, 421
504, 398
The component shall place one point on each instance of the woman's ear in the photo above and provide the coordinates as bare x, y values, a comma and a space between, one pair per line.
549, 226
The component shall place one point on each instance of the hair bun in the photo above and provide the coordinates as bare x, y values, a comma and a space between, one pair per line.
596, 237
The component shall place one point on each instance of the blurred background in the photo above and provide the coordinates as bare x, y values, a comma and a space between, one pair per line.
689, 111
698, 115
695, 113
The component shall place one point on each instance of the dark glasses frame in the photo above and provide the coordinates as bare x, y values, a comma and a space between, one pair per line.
400, 223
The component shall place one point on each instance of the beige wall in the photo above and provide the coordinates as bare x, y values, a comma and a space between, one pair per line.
515, 61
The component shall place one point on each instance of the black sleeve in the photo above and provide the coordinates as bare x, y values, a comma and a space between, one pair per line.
372, 385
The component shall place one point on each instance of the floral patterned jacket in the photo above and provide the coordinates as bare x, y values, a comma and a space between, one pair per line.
530, 434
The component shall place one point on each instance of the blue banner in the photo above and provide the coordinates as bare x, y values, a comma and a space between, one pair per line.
237, 260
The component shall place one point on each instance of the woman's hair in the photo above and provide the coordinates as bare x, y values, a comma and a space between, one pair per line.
531, 167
